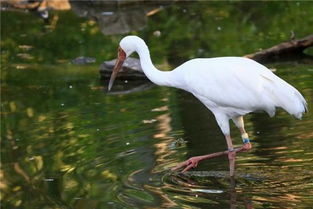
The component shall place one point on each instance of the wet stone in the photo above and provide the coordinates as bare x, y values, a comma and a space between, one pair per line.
131, 69
203, 175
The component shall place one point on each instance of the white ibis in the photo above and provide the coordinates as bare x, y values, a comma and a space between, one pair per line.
230, 87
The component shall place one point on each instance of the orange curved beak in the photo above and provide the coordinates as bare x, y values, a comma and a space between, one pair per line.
118, 65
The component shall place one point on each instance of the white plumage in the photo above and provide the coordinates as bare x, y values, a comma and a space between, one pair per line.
229, 86
234, 86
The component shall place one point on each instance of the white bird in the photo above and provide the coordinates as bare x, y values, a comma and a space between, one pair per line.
230, 87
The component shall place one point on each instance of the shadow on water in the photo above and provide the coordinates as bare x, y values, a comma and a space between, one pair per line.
67, 143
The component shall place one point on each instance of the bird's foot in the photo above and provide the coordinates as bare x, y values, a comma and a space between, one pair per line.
193, 161
190, 163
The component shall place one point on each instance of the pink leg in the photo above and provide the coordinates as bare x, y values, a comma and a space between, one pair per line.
193, 161
231, 152
231, 155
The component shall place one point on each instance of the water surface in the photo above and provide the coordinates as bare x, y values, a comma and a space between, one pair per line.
67, 143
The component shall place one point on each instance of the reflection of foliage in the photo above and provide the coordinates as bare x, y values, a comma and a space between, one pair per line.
58, 136
220, 29
83, 38
187, 30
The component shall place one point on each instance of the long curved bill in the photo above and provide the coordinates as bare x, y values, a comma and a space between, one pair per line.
116, 69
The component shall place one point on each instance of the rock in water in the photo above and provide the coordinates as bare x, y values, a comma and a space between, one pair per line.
130, 70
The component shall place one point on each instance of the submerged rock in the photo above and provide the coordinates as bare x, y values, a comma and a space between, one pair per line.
128, 89
130, 70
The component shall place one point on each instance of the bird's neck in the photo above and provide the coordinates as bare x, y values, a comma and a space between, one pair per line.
156, 76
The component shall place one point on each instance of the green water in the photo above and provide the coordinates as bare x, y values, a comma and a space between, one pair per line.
67, 143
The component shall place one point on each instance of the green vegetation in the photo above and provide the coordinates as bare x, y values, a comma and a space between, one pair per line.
65, 142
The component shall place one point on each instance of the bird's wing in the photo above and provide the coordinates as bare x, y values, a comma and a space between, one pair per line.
237, 86
226, 83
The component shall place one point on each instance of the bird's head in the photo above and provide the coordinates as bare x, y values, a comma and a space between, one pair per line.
127, 46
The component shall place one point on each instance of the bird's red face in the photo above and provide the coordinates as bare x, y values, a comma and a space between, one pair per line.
121, 56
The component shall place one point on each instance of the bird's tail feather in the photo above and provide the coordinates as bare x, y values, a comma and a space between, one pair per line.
287, 97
